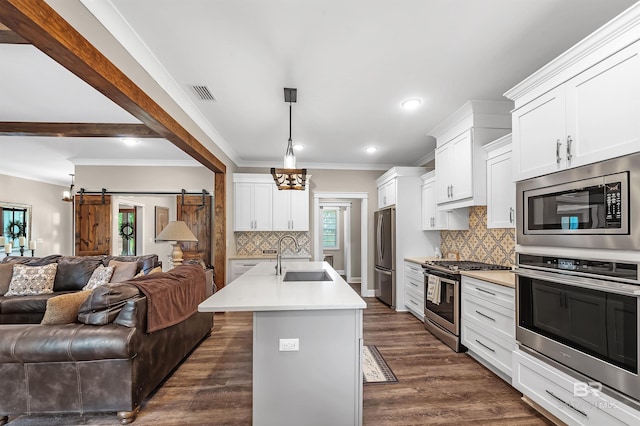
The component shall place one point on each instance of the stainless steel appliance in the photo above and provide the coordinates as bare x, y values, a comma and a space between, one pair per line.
442, 303
583, 314
588, 206
385, 265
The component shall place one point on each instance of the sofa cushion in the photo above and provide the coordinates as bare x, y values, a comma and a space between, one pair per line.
6, 272
102, 275
124, 271
32, 261
63, 309
30, 280
145, 262
35, 304
105, 302
75, 272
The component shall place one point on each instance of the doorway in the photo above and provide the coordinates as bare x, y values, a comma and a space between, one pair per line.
346, 200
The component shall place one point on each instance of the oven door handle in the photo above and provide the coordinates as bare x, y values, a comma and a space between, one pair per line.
582, 282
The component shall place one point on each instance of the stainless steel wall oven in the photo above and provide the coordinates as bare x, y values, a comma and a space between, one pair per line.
583, 314
588, 206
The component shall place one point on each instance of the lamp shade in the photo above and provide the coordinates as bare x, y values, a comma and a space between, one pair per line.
176, 230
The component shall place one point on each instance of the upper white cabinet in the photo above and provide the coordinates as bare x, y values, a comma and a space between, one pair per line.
387, 193
434, 219
290, 210
460, 159
501, 188
252, 207
260, 206
583, 107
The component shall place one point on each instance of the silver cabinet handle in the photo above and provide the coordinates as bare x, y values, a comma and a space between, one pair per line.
557, 398
451, 191
414, 302
414, 284
485, 315
485, 346
569, 148
433, 222
558, 144
511, 214
484, 291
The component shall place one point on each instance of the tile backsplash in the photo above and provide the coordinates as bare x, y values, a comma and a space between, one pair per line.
496, 245
253, 243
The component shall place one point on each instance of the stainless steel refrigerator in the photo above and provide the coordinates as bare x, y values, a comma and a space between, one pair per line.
385, 264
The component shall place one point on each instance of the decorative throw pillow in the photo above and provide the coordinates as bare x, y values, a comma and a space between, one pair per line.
30, 280
124, 271
6, 272
153, 271
63, 309
101, 275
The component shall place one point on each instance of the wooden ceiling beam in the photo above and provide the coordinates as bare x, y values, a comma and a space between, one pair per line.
9, 37
72, 130
38, 23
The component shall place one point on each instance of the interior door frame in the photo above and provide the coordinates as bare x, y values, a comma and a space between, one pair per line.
364, 225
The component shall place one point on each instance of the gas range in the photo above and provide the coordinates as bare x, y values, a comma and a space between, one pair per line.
455, 266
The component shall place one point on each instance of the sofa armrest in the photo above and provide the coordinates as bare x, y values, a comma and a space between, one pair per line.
133, 314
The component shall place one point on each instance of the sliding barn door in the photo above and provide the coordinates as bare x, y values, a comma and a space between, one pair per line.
93, 225
195, 211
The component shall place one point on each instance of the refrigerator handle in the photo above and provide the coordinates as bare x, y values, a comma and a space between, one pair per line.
378, 217
381, 238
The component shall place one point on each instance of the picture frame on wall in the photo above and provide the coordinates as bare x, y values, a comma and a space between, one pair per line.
162, 219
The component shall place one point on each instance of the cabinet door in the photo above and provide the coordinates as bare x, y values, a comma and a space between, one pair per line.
243, 207
299, 210
281, 209
428, 206
501, 192
603, 109
391, 192
262, 205
444, 173
462, 182
539, 133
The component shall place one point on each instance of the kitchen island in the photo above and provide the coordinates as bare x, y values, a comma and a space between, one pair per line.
307, 344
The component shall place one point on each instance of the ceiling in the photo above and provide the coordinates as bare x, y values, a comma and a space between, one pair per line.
352, 61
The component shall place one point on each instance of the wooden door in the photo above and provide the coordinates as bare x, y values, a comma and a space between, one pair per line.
195, 211
93, 225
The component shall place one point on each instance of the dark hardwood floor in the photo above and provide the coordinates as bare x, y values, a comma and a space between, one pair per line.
436, 385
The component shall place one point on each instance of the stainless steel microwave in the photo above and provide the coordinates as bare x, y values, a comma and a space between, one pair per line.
592, 206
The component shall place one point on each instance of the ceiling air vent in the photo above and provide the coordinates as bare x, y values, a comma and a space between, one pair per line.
202, 92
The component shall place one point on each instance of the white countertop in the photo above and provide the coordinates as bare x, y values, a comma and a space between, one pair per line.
260, 289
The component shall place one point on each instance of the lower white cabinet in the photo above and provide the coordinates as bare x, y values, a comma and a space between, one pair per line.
487, 325
568, 397
414, 289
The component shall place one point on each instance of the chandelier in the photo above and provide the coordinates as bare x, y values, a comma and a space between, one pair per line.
288, 177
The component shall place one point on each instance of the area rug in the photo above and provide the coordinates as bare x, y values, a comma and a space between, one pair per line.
374, 367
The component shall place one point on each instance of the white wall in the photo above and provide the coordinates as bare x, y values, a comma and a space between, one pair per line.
52, 218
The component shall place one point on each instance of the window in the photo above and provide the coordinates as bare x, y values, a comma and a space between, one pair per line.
15, 220
330, 221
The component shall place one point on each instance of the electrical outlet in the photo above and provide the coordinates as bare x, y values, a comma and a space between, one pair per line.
289, 345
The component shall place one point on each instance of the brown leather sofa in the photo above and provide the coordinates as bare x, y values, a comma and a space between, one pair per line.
72, 274
106, 363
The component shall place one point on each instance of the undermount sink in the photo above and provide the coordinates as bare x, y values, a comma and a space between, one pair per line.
306, 276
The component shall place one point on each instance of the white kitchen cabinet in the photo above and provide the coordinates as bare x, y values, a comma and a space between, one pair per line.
290, 210
435, 219
501, 189
387, 194
555, 391
460, 159
487, 326
252, 206
414, 289
588, 115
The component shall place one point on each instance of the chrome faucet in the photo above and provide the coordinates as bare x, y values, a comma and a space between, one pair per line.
279, 252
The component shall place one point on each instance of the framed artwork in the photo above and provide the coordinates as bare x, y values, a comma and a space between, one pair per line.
162, 219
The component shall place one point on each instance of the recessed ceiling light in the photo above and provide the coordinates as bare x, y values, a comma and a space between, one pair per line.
411, 103
129, 141
298, 147
371, 149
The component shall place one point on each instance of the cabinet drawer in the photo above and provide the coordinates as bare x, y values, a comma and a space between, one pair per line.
415, 303
414, 271
491, 348
489, 316
554, 391
498, 294
414, 285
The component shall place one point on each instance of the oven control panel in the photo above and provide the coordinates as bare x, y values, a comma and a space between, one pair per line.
610, 269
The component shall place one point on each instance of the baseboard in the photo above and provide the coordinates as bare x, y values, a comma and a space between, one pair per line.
368, 293
356, 280
340, 271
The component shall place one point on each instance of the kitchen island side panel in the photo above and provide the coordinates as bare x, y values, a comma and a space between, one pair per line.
321, 383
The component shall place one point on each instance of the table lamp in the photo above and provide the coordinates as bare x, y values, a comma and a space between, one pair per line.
176, 231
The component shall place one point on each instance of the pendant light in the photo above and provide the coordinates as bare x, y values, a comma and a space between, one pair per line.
289, 177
